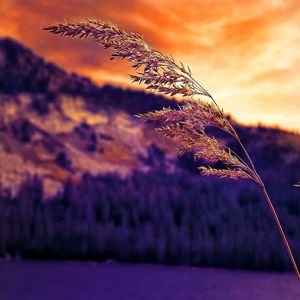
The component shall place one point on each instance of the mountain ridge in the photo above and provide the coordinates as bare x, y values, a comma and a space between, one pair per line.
21, 70
61, 125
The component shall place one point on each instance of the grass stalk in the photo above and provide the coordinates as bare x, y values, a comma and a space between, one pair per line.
187, 125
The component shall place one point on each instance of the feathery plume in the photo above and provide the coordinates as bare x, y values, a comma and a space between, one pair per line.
160, 72
197, 114
186, 125
230, 173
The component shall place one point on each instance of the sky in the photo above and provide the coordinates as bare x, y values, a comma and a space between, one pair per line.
245, 53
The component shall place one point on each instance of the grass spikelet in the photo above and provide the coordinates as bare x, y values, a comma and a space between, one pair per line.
187, 124
160, 72
235, 174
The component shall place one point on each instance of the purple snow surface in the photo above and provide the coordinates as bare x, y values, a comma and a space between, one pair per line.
112, 281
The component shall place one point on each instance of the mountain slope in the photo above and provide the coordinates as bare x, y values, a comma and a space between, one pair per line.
60, 126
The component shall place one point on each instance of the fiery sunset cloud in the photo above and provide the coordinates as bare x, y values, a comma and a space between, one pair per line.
245, 53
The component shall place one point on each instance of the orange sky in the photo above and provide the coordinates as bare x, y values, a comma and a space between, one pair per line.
245, 53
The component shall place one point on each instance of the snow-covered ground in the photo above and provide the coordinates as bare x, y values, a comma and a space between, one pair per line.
112, 281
